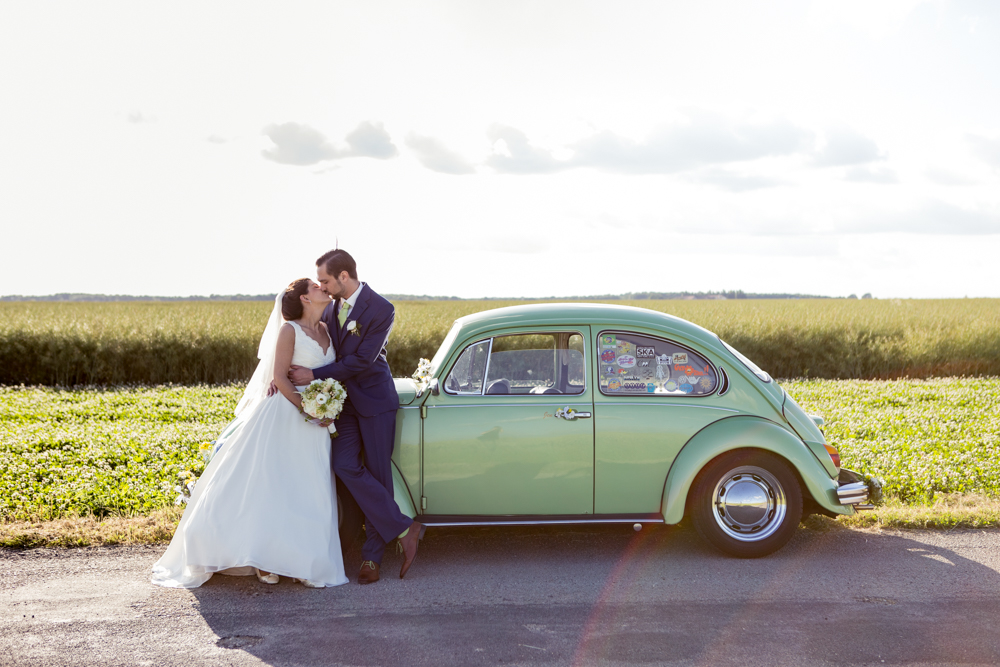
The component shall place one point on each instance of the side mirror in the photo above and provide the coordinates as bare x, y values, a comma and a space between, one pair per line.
434, 386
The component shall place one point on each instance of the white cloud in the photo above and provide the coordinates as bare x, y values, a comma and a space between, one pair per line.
300, 144
947, 177
933, 218
436, 156
514, 154
985, 148
882, 175
844, 146
371, 140
733, 181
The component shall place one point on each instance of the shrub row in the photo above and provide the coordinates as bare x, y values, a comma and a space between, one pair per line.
125, 343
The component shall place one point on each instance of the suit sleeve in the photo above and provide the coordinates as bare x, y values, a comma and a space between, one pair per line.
373, 340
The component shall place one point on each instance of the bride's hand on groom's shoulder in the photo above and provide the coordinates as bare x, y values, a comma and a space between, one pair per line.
300, 376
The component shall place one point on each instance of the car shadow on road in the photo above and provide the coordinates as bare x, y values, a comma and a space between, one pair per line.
596, 594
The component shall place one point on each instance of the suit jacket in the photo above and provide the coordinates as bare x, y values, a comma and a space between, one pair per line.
361, 365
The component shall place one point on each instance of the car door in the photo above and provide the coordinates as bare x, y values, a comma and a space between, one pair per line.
652, 396
510, 431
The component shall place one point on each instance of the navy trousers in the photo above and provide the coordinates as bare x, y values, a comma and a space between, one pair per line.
362, 456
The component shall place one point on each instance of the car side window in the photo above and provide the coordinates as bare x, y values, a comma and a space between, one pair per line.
632, 364
550, 363
466, 376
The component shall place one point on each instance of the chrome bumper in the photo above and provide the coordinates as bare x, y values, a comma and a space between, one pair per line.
853, 489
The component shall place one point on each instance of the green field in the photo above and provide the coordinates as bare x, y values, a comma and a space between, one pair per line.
66, 344
122, 452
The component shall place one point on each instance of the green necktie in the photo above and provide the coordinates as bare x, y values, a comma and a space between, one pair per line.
342, 315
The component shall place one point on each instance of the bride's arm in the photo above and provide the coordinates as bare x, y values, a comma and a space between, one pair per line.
283, 361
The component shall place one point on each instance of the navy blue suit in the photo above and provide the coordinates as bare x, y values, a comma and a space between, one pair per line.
368, 423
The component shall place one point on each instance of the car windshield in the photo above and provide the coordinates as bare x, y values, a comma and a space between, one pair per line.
754, 368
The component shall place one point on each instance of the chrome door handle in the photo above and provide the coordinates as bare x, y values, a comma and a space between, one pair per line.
569, 414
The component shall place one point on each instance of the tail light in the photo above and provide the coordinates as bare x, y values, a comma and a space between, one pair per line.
834, 454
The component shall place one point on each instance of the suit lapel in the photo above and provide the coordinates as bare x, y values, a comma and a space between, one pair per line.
359, 307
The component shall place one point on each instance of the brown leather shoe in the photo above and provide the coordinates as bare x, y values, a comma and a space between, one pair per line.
369, 573
409, 545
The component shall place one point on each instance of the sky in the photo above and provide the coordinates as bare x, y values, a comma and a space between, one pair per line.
502, 148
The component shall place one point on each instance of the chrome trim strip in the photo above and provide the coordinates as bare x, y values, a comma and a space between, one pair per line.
409, 407
537, 522
666, 405
511, 405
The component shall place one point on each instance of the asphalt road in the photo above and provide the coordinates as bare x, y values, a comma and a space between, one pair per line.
552, 595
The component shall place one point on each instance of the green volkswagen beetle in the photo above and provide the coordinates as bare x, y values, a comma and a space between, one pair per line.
589, 413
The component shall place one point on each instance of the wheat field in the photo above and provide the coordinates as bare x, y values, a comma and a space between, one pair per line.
110, 343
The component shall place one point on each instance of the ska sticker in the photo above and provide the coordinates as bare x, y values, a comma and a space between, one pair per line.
645, 352
626, 361
608, 340
608, 356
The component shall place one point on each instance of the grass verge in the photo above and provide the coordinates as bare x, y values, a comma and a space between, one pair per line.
949, 512
90, 531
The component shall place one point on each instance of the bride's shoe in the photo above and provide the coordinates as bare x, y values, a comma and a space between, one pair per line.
271, 578
311, 584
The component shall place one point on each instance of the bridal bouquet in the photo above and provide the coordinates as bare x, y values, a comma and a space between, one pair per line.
323, 399
423, 372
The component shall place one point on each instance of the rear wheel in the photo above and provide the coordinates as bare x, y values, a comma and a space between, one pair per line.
747, 504
350, 519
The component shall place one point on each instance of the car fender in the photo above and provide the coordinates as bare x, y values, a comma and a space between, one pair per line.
401, 494
744, 432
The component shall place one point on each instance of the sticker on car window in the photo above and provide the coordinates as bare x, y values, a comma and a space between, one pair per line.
651, 366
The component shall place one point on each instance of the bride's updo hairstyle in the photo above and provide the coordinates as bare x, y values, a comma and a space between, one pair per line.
291, 303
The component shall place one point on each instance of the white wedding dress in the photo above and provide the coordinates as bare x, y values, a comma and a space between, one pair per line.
266, 500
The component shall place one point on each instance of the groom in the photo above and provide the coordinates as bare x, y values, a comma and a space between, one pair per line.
360, 321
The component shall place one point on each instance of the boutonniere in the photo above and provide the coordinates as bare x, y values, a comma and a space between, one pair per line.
354, 328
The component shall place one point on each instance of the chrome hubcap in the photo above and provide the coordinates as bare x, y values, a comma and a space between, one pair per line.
749, 504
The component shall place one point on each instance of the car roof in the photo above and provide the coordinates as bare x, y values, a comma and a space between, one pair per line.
600, 314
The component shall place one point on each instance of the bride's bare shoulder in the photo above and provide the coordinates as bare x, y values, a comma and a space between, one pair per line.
286, 334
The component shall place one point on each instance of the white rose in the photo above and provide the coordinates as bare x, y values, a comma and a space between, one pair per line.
352, 325
321, 399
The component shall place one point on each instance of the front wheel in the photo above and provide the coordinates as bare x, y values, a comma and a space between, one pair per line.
747, 504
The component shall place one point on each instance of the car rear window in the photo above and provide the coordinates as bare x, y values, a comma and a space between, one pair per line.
633, 364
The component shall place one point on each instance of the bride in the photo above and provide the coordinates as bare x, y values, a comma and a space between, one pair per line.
266, 502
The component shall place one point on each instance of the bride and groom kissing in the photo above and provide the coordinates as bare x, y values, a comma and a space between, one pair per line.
266, 503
